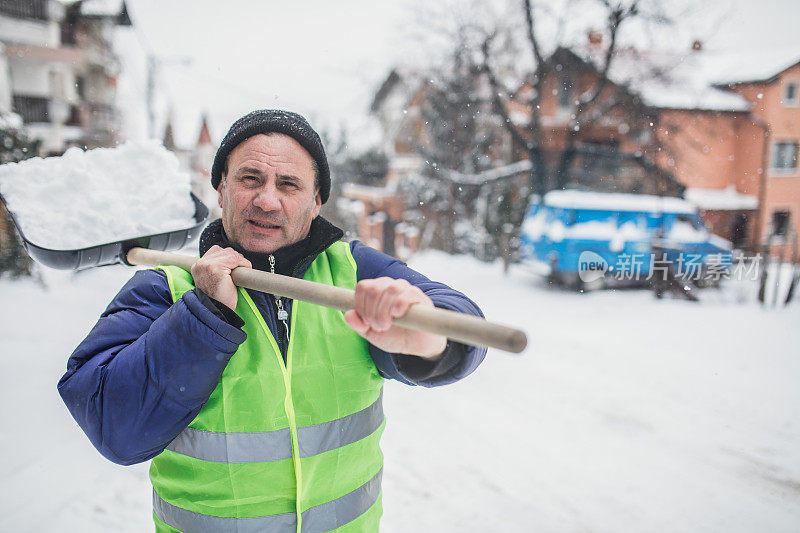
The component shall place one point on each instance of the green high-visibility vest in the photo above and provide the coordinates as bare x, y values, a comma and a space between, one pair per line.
280, 446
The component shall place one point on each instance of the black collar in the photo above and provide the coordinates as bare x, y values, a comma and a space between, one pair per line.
291, 260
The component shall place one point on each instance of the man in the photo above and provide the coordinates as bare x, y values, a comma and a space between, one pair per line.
259, 413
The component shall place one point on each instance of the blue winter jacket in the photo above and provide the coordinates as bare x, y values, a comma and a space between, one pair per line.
148, 366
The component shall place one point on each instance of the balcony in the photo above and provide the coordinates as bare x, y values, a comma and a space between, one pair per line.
62, 54
104, 122
32, 109
25, 9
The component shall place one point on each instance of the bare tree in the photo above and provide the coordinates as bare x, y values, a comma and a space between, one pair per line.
582, 83
498, 73
459, 135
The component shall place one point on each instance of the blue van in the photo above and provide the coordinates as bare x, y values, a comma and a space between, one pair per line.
620, 237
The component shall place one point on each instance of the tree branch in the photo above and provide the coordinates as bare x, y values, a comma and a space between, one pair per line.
616, 16
497, 101
538, 77
531, 31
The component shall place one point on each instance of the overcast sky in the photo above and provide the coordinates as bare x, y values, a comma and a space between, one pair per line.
325, 59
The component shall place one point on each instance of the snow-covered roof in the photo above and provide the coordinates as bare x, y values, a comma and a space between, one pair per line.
693, 79
573, 199
675, 81
752, 65
721, 199
680, 96
408, 79
187, 126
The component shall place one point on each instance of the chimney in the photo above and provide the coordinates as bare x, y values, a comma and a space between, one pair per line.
697, 45
595, 38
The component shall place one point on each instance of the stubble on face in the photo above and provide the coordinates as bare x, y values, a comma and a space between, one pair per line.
268, 195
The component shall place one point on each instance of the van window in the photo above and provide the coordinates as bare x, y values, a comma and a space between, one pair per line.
640, 219
691, 220
565, 216
654, 220
592, 215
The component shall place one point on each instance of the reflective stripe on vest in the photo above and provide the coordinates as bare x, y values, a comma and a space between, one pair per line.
321, 518
263, 446
281, 444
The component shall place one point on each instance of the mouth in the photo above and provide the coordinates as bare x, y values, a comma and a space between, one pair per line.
263, 225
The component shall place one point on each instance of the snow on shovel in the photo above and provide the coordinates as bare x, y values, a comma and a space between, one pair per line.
111, 194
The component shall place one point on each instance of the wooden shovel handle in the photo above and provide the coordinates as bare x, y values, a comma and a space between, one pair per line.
457, 326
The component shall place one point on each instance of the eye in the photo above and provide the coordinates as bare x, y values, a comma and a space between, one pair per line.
289, 184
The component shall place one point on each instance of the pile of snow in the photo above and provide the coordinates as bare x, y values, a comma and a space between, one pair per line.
84, 199
10, 121
721, 199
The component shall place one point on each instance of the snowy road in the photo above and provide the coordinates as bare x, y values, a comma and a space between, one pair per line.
625, 414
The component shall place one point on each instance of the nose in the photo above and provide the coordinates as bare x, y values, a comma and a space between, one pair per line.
267, 198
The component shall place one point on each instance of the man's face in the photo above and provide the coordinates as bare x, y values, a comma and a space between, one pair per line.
268, 195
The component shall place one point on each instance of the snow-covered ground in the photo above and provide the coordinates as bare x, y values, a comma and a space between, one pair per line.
626, 413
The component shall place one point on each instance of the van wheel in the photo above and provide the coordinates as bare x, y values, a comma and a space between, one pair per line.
570, 281
594, 285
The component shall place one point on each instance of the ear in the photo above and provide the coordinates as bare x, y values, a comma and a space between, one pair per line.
219, 190
317, 204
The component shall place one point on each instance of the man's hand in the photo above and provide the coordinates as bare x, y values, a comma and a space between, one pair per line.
378, 302
212, 274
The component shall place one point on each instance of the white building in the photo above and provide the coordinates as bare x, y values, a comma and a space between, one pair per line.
58, 71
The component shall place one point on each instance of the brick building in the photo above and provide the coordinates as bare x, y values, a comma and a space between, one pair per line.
724, 131
773, 91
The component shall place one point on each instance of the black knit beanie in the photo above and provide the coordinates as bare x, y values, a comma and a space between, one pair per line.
277, 121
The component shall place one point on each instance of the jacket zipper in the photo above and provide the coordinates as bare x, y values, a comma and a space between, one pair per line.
283, 315
285, 365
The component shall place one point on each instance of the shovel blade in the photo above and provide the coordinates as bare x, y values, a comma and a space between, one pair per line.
114, 252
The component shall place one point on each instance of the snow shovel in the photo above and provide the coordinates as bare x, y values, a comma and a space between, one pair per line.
152, 250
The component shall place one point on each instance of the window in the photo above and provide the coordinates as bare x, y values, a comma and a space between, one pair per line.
739, 229
25, 9
74, 118
31, 108
784, 157
790, 94
780, 222
80, 85
600, 158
